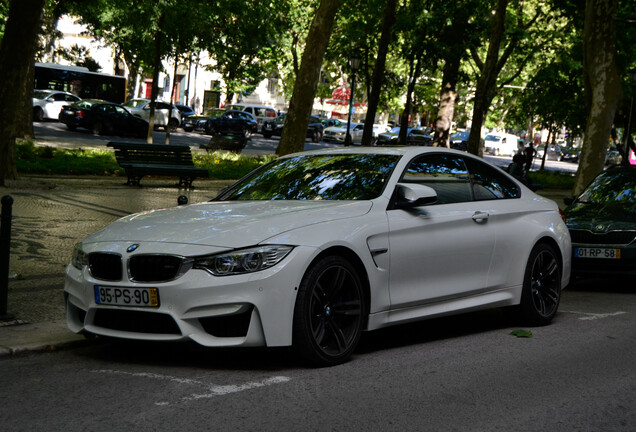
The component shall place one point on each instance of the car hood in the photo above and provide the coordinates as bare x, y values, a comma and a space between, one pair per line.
601, 217
226, 224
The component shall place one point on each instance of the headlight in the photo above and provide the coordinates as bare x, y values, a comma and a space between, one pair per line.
80, 258
243, 260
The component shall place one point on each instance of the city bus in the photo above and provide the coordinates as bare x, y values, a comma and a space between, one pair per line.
80, 81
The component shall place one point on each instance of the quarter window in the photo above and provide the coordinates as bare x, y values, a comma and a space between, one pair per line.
489, 183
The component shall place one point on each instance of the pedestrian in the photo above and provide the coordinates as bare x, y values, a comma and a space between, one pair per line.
529, 152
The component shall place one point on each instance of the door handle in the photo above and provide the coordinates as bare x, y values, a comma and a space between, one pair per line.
479, 216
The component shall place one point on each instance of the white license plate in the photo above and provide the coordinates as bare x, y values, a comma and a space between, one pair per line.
122, 296
605, 253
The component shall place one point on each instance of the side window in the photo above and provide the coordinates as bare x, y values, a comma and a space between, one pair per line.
249, 110
271, 113
60, 97
446, 174
489, 183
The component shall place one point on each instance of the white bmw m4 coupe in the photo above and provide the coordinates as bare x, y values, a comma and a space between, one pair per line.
317, 247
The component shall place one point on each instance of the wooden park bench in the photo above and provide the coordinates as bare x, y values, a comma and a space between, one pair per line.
139, 160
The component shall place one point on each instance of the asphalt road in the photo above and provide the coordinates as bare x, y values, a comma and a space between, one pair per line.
462, 373
55, 133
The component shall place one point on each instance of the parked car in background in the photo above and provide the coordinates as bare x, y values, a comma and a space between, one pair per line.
570, 154
314, 248
185, 111
166, 115
602, 224
414, 137
275, 128
459, 141
337, 134
502, 144
232, 120
103, 118
554, 152
261, 113
200, 122
47, 104
333, 122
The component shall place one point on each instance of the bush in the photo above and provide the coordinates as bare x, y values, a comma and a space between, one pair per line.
552, 179
32, 159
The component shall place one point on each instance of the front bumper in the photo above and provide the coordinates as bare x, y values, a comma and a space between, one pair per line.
244, 310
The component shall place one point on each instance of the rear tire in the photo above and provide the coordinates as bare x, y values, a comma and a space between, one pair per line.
541, 286
98, 128
38, 114
329, 312
316, 136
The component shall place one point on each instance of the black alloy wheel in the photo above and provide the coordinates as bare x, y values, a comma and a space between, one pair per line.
329, 313
98, 127
541, 286
38, 114
316, 136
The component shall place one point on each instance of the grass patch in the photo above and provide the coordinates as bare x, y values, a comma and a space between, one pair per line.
32, 159
552, 179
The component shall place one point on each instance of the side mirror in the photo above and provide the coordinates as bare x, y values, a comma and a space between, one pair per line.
409, 195
568, 200
182, 200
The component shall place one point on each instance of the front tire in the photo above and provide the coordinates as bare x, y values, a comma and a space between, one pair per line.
316, 136
329, 312
541, 286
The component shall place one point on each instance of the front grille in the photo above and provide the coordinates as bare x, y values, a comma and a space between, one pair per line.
609, 238
235, 325
105, 266
154, 268
135, 321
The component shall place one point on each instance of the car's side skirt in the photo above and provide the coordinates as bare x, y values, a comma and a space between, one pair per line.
503, 297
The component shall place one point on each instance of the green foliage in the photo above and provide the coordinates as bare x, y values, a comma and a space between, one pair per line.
552, 179
32, 159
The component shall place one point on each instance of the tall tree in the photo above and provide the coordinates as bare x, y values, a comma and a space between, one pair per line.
378, 70
17, 51
603, 88
295, 131
520, 37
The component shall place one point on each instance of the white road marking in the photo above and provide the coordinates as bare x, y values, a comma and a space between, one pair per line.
210, 390
594, 316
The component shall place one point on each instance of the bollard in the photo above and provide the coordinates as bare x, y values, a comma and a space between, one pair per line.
5, 247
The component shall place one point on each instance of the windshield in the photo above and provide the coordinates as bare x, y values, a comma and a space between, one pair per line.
492, 138
41, 94
135, 103
615, 187
461, 135
317, 177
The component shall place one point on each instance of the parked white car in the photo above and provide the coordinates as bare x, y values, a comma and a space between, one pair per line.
166, 115
47, 104
337, 134
502, 144
314, 248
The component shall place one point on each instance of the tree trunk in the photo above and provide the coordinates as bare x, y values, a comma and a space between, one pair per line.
302, 100
378, 72
447, 98
602, 87
16, 75
406, 114
155, 85
487, 81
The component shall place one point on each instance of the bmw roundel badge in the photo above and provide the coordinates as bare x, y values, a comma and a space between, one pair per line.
132, 247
